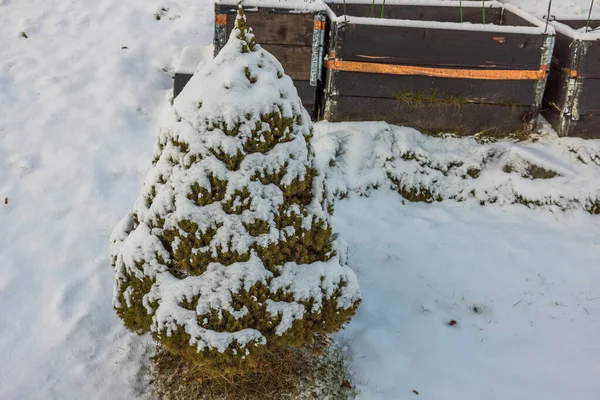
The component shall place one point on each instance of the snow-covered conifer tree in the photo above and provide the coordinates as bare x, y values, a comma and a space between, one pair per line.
229, 246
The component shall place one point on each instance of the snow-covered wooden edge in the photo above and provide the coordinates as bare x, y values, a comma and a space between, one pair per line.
572, 33
294, 5
431, 3
539, 27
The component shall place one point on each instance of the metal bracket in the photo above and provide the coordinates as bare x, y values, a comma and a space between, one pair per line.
540, 85
316, 63
574, 89
220, 38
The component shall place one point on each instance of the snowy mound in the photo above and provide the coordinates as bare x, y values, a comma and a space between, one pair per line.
229, 243
561, 174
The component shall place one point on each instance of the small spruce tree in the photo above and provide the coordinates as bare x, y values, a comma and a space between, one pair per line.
229, 246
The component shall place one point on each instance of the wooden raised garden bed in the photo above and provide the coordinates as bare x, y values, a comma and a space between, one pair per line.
293, 31
572, 98
419, 66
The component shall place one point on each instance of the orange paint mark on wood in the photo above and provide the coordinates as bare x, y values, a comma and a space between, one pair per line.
319, 25
500, 39
375, 68
221, 19
571, 72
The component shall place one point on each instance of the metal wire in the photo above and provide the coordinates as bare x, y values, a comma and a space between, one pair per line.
548, 15
587, 27
461, 14
382, 7
483, 10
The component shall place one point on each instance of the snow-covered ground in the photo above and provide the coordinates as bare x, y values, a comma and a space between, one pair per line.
523, 286
82, 86
560, 8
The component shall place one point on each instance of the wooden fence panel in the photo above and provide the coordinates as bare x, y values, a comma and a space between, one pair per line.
434, 118
419, 13
360, 84
438, 47
278, 28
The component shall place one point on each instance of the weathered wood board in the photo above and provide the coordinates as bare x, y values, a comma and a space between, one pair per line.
572, 97
434, 77
419, 13
179, 82
359, 84
271, 27
587, 126
294, 59
434, 118
285, 33
438, 47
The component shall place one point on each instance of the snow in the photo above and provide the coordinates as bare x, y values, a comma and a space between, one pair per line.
466, 26
571, 9
431, 3
358, 157
538, 27
78, 119
580, 34
533, 276
192, 58
296, 5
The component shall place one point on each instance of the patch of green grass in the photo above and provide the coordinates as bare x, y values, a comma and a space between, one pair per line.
532, 172
422, 98
319, 371
493, 134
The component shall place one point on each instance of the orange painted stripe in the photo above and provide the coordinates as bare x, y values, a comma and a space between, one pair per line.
571, 72
319, 25
375, 68
221, 19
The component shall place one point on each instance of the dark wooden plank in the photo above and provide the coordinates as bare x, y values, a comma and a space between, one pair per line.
360, 84
437, 47
466, 119
580, 23
419, 12
308, 95
588, 127
512, 19
179, 82
590, 100
563, 50
556, 87
278, 28
294, 59
552, 115
590, 67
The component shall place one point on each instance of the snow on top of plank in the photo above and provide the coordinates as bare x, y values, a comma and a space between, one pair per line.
191, 57
296, 5
428, 3
529, 18
575, 33
463, 26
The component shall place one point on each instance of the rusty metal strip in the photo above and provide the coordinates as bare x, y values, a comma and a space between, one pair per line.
316, 64
540, 85
221, 19
571, 73
375, 68
220, 37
